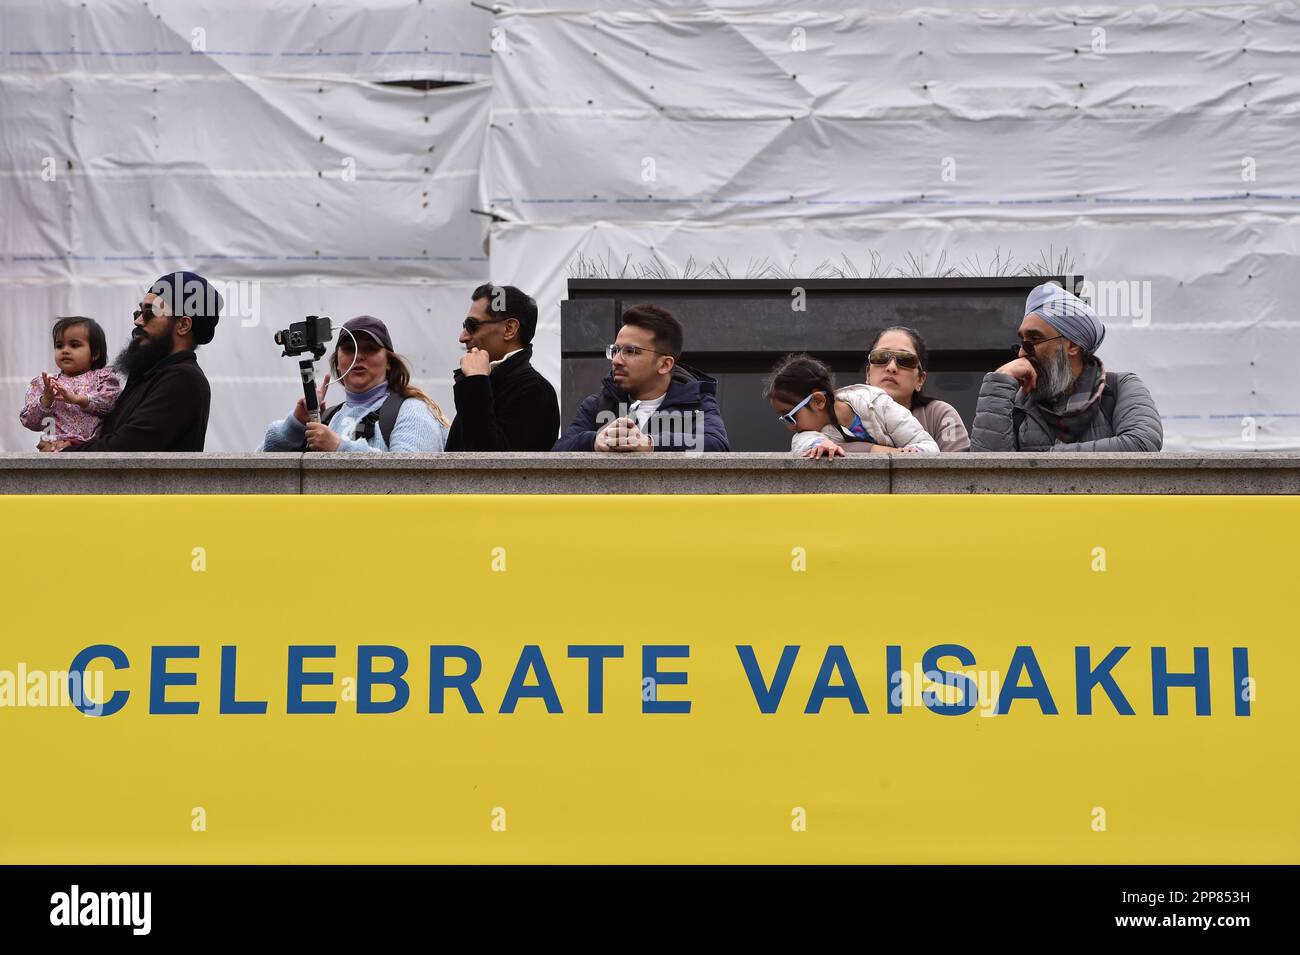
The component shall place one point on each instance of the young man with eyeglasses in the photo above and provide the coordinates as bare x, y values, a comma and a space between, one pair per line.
1056, 395
164, 406
650, 401
502, 402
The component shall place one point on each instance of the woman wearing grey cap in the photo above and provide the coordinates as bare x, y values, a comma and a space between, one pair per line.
381, 410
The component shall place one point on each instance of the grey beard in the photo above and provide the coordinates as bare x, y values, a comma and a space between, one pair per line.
1054, 377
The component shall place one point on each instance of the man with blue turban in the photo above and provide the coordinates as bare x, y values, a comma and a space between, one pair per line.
1056, 395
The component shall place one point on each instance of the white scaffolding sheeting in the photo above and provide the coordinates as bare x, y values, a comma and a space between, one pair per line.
1155, 146
253, 143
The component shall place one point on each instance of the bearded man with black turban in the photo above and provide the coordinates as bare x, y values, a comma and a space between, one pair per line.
164, 406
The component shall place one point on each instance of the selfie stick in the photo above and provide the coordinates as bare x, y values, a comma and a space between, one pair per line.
307, 368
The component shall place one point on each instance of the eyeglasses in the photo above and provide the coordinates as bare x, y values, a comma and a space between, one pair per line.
883, 356
472, 325
628, 351
788, 417
147, 311
1029, 346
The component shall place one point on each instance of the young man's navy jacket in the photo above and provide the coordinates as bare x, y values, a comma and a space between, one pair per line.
686, 420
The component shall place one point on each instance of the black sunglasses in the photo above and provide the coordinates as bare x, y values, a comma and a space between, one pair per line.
147, 311
1028, 346
472, 325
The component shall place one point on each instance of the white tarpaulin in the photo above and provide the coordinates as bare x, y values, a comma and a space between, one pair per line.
1156, 147
251, 143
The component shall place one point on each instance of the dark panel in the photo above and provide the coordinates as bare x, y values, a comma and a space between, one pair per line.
736, 330
587, 325
751, 422
961, 389
830, 322
837, 322
579, 377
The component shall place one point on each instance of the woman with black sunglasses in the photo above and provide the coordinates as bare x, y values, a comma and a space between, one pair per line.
896, 363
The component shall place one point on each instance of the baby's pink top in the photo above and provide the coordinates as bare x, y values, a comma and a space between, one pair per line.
72, 423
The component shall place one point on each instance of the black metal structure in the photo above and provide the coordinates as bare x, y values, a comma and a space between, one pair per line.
736, 330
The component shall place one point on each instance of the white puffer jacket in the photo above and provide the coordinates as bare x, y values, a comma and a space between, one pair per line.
888, 422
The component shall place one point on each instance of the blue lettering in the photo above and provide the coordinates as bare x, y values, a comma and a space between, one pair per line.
970, 693
1162, 680
836, 659
1086, 678
160, 679
531, 659
1024, 661
367, 678
228, 704
81, 701
650, 656
595, 655
767, 697
298, 679
440, 682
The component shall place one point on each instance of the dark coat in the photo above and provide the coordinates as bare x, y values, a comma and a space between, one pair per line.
691, 395
162, 409
512, 408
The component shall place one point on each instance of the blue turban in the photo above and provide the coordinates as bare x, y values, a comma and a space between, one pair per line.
188, 293
1070, 315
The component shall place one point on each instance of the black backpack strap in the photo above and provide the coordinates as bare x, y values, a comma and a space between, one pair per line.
385, 417
388, 412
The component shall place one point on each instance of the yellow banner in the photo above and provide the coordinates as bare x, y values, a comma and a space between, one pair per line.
920, 679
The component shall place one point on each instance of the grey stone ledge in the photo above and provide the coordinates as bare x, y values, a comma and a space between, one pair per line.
665, 473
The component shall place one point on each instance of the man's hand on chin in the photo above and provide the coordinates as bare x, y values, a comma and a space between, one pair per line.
475, 362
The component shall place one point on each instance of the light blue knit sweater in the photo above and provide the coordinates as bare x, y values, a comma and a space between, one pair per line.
416, 429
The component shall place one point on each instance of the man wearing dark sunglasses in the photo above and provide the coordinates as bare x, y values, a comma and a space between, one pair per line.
1055, 394
164, 406
502, 402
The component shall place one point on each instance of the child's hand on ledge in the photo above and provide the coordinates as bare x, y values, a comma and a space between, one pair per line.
825, 447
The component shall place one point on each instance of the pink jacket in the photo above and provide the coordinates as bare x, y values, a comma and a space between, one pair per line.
70, 422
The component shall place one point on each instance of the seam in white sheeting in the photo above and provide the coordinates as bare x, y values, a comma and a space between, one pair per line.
1062, 110
1056, 111
232, 380
164, 171
781, 14
464, 81
476, 82
947, 216
1277, 324
937, 221
298, 280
